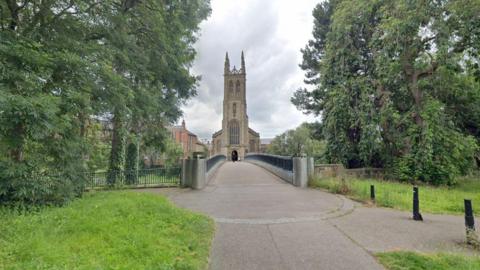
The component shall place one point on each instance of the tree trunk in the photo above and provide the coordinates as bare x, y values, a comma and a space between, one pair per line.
117, 154
13, 7
418, 99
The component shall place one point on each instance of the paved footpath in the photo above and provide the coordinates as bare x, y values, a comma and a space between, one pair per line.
263, 222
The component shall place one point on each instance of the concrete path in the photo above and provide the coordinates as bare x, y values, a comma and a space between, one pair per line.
382, 229
263, 222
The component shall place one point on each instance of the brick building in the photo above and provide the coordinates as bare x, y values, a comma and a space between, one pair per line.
188, 140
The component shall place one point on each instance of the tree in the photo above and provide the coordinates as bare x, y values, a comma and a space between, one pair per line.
342, 94
152, 60
390, 75
313, 53
173, 153
45, 81
419, 42
66, 63
297, 142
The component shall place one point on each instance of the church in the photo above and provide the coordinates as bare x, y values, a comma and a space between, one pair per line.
235, 139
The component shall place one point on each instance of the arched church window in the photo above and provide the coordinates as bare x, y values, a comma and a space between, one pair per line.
237, 89
230, 88
234, 109
234, 132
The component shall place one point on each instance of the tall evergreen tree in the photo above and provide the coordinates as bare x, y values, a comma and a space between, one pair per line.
389, 81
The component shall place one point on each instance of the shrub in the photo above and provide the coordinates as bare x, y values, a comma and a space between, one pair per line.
439, 152
23, 184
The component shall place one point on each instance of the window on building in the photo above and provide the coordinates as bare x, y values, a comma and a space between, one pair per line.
230, 88
237, 89
234, 132
234, 109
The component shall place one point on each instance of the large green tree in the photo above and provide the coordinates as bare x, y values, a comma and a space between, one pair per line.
67, 64
46, 81
391, 76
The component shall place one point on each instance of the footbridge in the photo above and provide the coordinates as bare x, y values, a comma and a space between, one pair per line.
265, 219
198, 172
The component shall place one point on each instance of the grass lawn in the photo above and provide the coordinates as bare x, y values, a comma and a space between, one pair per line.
415, 261
438, 200
106, 230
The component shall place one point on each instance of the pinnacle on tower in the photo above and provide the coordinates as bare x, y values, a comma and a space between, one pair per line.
243, 63
227, 64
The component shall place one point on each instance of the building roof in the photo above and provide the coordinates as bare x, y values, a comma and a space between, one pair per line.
253, 132
181, 128
200, 143
216, 134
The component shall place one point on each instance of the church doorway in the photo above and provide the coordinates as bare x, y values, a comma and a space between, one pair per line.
234, 155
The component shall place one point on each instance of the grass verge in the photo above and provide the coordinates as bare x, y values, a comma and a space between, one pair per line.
106, 230
437, 200
416, 261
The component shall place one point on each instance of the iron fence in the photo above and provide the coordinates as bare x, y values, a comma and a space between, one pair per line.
283, 162
211, 162
145, 177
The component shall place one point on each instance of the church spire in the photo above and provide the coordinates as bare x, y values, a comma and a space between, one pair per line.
227, 64
243, 63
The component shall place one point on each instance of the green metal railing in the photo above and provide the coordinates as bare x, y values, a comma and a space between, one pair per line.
139, 178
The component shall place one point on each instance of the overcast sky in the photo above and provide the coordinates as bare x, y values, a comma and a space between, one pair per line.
271, 33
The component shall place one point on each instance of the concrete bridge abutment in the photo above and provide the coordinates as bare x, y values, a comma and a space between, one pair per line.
197, 172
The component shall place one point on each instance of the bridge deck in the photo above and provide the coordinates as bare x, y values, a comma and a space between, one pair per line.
263, 222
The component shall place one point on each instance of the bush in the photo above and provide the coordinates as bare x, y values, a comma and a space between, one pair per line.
439, 152
23, 184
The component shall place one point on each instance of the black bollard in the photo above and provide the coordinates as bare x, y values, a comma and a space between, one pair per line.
472, 237
416, 205
372, 193
469, 219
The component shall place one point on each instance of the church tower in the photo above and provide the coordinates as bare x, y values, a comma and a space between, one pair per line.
235, 136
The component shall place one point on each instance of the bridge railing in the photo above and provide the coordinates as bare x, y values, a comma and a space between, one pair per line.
294, 170
211, 162
282, 162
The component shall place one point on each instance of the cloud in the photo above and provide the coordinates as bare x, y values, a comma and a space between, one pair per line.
271, 33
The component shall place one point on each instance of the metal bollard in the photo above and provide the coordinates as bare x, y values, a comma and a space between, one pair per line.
472, 237
372, 193
416, 205
469, 219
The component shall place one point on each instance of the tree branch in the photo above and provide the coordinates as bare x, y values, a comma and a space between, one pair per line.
420, 74
14, 8
64, 11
